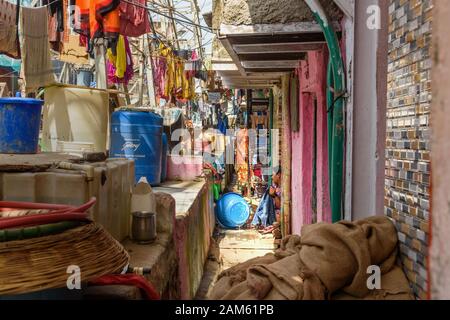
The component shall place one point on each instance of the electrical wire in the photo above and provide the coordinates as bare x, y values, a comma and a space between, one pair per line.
169, 17
44, 5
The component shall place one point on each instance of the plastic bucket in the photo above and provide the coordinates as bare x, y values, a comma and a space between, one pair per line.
20, 120
232, 211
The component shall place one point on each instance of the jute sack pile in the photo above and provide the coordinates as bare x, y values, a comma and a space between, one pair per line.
329, 261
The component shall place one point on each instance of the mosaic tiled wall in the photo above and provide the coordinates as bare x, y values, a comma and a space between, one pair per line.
407, 196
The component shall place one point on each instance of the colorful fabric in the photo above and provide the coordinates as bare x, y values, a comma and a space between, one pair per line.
82, 19
170, 72
134, 20
104, 21
120, 66
159, 73
9, 40
242, 174
242, 141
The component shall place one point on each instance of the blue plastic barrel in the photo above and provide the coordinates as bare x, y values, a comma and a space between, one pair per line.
165, 149
232, 211
20, 119
138, 135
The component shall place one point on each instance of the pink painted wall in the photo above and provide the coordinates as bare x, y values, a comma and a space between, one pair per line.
312, 76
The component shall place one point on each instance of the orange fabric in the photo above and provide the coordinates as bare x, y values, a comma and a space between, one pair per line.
104, 18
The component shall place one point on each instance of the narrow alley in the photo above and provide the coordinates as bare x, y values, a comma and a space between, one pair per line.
235, 150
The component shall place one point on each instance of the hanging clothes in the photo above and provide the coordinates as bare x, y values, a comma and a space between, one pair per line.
104, 20
159, 72
9, 20
120, 65
38, 70
169, 85
58, 33
134, 21
265, 215
82, 19
179, 77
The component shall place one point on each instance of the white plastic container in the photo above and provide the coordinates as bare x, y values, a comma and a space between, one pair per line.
75, 114
74, 148
143, 199
111, 182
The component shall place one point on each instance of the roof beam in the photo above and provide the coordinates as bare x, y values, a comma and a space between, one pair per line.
277, 47
272, 64
272, 29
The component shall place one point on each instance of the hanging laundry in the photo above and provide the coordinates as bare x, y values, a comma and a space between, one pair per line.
193, 65
98, 19
81, 19
9, 39
38, 71
104, 19
134, 21
170, 72
58, 33
159, 72
182, 54
202, 75
120, 66
179, 75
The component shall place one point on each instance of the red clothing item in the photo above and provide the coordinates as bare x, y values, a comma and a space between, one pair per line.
129, 280
134, 20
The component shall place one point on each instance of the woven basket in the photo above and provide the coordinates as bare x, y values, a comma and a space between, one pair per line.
41, 263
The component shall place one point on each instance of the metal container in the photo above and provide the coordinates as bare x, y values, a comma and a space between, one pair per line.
143, 227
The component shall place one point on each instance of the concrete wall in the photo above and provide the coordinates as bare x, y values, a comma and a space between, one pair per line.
247, 12
440, 243
408, 165
369, 112
193, 233
312, 76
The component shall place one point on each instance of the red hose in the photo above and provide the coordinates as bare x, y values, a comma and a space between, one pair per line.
63, 213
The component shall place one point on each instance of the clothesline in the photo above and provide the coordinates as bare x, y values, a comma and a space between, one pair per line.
211, 30
44, 5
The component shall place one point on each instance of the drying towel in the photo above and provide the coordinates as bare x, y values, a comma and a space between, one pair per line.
327, 260
9, 41
38, 71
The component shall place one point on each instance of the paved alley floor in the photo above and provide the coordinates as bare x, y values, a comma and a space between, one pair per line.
237, 246
232, 247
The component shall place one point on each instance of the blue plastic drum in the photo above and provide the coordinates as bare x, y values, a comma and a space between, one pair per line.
137, 135
20, 119
232, 211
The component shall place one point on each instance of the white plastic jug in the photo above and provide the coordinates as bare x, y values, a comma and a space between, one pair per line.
143, 198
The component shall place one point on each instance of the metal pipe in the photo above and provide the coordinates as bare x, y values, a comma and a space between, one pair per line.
338, 126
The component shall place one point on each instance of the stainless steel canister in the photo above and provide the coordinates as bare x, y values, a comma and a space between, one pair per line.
143, 226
